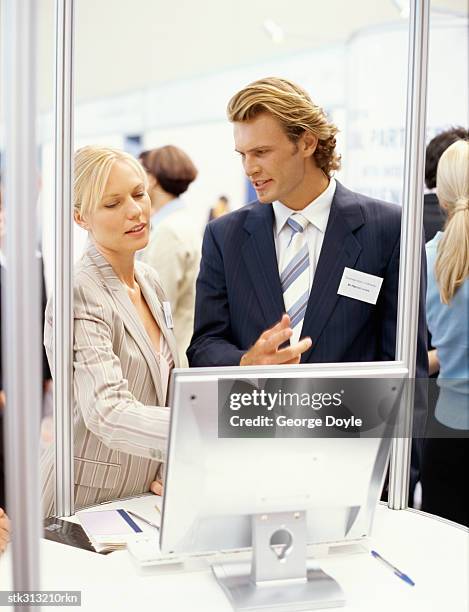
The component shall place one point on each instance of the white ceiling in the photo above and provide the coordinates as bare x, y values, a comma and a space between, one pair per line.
124, 45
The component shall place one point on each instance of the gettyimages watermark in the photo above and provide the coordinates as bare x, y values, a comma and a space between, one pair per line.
331, 408
40, 598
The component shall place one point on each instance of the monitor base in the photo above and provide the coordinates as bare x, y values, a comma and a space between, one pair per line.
316, 591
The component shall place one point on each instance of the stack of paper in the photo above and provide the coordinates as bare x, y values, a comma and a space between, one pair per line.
109, 530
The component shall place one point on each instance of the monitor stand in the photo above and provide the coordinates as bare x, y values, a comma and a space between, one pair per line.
279, 578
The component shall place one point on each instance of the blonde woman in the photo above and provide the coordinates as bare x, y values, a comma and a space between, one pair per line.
124, 348
446, 457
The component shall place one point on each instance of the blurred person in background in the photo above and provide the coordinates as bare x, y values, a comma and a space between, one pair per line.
446, 452
174, 247
221, 208
434, 216
124, 347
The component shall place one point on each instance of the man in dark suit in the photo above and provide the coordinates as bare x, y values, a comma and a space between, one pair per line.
309, 247
433, 215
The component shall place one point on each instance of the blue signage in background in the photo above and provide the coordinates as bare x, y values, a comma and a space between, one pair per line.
250, 192
133, 144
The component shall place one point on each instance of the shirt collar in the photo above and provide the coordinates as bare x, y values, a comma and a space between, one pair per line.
166, 210
317, 211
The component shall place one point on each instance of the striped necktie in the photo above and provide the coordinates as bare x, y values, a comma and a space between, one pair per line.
294, 275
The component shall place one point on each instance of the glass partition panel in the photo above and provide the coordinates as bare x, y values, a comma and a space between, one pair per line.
147, 77
448, 387
170, 82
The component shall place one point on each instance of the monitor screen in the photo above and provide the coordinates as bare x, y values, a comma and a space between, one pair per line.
215, 484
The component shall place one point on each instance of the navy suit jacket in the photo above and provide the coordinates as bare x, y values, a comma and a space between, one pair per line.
239, 293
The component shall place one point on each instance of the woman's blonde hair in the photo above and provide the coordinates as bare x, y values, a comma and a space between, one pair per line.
452, 188
295, 111
92, 168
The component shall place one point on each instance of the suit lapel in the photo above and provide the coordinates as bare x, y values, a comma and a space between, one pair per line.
129, 315
261, 261
340, 249
154, 299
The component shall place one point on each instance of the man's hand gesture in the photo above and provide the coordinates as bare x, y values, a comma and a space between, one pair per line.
266, 350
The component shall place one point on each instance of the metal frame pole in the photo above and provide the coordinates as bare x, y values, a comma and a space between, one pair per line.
63, 290
411, 236
22, 338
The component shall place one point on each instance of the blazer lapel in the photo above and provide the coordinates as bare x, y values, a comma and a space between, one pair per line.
260, 259
154, 298
129, 315
340, 249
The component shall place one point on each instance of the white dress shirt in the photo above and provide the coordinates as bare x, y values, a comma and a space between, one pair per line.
317, 213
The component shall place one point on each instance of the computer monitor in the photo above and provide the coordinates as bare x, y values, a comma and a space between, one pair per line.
275, 494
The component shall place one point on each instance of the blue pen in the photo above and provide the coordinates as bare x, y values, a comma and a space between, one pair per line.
398, 572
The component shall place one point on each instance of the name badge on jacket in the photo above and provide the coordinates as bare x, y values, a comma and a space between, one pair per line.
168, 315
360, 285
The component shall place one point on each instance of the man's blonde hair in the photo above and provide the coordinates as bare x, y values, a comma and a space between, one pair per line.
93, 165
452, 188
295, 111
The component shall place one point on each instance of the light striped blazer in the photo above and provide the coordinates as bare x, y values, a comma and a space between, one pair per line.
120, 416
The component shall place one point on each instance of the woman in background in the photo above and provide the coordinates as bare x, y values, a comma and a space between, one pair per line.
446, 456
174, 247
123, 347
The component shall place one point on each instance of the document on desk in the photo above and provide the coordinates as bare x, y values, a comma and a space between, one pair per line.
148, 507
110, 530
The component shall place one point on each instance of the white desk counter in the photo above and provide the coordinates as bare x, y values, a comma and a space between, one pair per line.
433, 552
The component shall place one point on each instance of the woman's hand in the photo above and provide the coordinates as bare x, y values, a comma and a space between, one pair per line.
156, 487
4, 530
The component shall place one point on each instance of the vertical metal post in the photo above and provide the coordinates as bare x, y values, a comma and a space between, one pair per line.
22, 338
63, 294
411, 234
